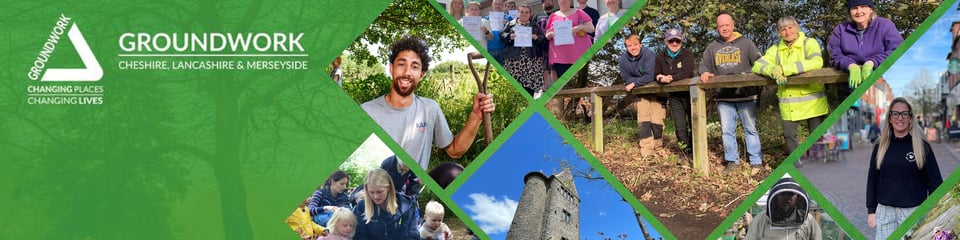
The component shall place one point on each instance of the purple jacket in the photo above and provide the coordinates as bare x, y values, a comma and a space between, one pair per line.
848, 46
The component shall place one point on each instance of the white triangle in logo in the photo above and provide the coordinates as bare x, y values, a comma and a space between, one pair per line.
92, 72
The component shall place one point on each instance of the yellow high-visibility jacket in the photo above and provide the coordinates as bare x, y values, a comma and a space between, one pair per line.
797, 102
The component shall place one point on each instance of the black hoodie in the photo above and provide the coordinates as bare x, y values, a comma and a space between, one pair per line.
899, 183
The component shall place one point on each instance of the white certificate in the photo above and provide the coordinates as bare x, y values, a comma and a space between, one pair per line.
473, 24
514, 13
496, 21
563, 32
522, 36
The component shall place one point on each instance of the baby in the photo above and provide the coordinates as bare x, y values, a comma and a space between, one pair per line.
433, 227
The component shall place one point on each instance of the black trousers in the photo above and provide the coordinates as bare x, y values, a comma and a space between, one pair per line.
680, 112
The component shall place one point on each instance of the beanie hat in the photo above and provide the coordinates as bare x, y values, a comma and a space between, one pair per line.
854, 3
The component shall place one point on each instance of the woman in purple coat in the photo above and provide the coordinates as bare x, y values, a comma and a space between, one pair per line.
862, 43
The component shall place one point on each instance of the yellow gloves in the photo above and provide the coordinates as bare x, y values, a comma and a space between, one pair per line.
856, 76
867, 69
777, 74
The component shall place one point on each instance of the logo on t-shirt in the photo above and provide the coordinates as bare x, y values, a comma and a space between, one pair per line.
727, 57
911, 157
421, 126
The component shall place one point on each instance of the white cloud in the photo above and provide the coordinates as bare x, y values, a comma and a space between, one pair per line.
493, 215
603, 213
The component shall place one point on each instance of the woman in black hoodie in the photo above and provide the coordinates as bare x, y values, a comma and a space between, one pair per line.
903, 170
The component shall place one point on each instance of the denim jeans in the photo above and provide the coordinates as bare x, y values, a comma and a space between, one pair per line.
746, 112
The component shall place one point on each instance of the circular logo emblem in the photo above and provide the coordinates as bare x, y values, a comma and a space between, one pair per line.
953, 66
911, 157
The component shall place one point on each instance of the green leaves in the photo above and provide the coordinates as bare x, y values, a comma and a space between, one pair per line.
406, 17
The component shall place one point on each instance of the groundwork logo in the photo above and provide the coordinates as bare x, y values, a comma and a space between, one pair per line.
52, 94
92, 72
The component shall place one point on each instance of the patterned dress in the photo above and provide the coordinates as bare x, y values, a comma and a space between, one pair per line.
527, 67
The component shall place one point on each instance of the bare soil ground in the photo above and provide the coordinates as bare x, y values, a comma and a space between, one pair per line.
688, 204
457, 227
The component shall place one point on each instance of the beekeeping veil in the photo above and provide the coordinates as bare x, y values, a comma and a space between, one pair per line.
787, 204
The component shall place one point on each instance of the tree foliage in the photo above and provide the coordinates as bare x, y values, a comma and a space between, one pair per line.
406, 17
922, 93
955, 192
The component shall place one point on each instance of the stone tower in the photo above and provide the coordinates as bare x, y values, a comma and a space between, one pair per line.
549, 208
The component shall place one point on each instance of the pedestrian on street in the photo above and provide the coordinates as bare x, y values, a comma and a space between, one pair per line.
903, 171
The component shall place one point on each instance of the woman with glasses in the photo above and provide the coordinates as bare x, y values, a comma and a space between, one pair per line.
674, 64
903, 170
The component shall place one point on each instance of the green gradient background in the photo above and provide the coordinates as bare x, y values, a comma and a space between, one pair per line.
173, 154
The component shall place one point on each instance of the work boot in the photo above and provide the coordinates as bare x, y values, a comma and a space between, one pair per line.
731, 166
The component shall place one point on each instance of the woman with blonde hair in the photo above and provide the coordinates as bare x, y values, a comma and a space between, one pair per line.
385, 214
903, 171
455, 9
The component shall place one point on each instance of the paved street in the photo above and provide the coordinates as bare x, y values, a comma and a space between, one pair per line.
844, 183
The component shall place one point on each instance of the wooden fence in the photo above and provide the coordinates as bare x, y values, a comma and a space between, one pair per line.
697, 100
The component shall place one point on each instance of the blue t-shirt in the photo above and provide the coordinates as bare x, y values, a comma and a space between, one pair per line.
495, 44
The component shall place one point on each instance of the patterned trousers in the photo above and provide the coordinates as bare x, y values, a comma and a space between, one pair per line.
888, 218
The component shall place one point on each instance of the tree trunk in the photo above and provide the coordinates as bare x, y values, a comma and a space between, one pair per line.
226, 164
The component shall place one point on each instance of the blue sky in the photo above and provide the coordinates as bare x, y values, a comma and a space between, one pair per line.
491, 195
929, 52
